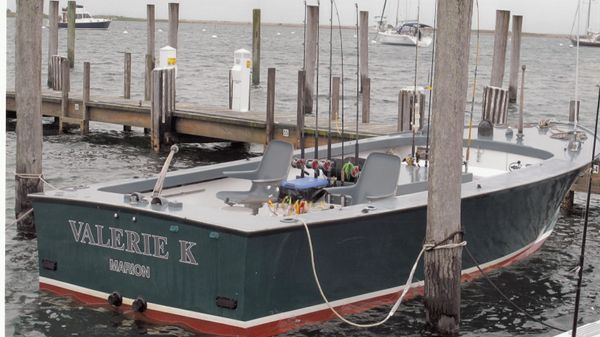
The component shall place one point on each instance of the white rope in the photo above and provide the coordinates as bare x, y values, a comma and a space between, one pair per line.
17, 220
35, 176
396, 305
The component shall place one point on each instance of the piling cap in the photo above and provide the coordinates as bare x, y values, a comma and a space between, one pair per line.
167, 48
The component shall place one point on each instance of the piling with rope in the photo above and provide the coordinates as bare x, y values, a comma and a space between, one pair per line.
28, 79
443, 267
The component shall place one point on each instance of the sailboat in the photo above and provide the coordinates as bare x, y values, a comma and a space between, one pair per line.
406, 33
591, 38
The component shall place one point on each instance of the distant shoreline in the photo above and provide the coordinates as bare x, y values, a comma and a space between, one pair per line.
271, 24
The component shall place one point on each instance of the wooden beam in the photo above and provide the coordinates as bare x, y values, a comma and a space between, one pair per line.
364, 45
28, 78
270, 119
66, 84
499, 59
256, 46
366, 99
71, 32
515, 57
85, 120
173, 23
52, 36
311, 44
150, 54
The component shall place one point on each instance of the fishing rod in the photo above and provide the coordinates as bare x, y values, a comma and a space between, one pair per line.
304, 40
342, 82
357, 83
330, 69
416, 105
302, 91
585, 223
431, 82
317, 90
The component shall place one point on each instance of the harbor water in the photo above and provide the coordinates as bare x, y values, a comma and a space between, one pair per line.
544, 284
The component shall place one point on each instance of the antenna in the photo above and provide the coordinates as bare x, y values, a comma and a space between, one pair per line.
357, 83
330, 69
317, 89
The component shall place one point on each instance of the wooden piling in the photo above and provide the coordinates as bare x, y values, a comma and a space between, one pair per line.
127, 82
173, 23
66, 87
52, 37
443, 266
300, 111
256, 46
335, 98
363, 45
270, 119
150, 43
502, 20
515, 57
71, 32
310, 55
28, 77
366, 99
522, 101
406, 109
230, 90
127, 75
162, 107
85, 114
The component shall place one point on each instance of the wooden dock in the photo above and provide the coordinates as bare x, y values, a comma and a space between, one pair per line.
203, 121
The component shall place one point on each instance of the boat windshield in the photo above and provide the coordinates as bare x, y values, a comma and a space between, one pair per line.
414, 29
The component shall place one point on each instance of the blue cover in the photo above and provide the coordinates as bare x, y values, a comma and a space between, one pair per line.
304, 183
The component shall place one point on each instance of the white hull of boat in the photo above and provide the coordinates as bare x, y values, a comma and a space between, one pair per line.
394, 38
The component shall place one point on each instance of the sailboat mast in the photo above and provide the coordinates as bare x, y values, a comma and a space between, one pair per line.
397, 10
587, 26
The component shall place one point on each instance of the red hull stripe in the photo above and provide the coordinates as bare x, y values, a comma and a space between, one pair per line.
154, 313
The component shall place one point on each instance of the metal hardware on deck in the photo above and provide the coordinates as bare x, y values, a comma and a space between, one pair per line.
288, 220
134, 219
116, 215
368, 209
134, 198
49, 264
115, 299
227, 303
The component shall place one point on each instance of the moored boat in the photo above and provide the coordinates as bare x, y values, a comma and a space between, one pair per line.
408, 34
83, 19
238, 263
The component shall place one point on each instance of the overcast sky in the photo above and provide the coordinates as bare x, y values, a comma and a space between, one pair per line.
540, 16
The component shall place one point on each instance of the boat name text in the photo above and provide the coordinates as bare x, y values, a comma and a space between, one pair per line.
130, 241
